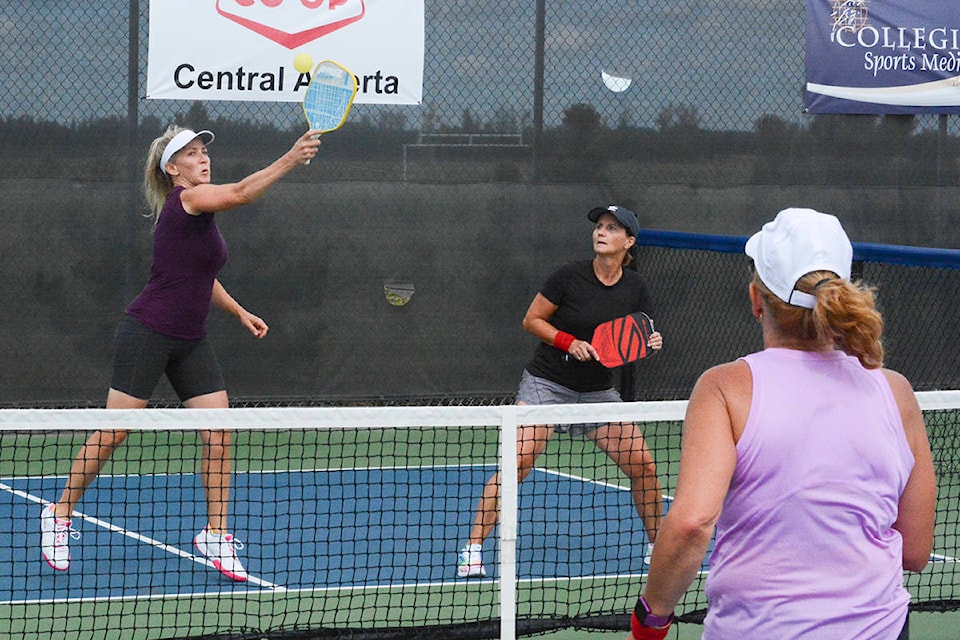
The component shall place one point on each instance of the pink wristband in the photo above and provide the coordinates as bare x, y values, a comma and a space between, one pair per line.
563, 340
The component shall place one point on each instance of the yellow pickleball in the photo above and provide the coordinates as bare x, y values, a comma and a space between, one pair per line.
303, 63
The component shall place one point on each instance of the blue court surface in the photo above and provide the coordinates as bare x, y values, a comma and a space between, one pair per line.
310, 530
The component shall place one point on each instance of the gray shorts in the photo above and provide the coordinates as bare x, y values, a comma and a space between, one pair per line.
534, 390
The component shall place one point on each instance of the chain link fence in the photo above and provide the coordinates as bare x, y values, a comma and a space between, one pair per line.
533, 112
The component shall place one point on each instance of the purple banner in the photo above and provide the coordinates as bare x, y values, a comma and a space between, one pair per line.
883, 56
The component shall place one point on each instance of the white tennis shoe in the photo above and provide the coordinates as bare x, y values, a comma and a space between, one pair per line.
470, 562
221, 550
55, 537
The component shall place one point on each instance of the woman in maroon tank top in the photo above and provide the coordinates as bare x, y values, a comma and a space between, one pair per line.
163, 331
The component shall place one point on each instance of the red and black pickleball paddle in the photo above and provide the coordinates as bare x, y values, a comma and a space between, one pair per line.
623, 340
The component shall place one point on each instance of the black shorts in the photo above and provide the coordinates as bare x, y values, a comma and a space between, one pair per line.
141, 356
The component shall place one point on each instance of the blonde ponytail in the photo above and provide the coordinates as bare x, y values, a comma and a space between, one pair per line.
157, 185
847, 310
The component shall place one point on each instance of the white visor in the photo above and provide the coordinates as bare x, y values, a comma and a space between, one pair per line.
181, 140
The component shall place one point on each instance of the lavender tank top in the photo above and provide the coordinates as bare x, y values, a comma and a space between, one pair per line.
804, 545
188, 252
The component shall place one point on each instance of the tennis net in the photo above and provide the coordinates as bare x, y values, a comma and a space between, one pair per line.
352, 519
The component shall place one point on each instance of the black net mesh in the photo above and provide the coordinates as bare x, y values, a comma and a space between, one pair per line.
353, 531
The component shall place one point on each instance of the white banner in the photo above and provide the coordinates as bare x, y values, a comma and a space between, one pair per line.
245, 49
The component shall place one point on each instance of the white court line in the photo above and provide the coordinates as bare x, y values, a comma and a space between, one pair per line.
139, 537
454, 584
570, 476
602, 483
936, 557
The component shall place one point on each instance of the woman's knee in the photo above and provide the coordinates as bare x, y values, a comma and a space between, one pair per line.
111, 438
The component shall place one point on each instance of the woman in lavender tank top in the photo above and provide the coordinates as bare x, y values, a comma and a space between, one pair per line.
808, 459
163, 331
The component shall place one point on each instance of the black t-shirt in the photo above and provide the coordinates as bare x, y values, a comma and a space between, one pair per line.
583, 302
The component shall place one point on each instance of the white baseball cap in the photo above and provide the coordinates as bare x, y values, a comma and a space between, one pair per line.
797, 242
181, 140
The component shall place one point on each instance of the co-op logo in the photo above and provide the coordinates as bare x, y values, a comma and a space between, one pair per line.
292, 23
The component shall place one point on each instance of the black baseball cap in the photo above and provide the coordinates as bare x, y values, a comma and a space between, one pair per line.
625, 217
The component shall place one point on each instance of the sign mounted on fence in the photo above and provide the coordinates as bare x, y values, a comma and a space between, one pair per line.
883, 56
245, 49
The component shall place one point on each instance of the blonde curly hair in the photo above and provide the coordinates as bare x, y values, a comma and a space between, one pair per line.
845, 313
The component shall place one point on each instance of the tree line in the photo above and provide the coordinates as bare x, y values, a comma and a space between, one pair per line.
857, 149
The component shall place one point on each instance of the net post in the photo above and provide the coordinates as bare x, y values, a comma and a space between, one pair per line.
508, 522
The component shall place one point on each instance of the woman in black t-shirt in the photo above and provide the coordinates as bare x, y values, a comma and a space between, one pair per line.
565, 370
